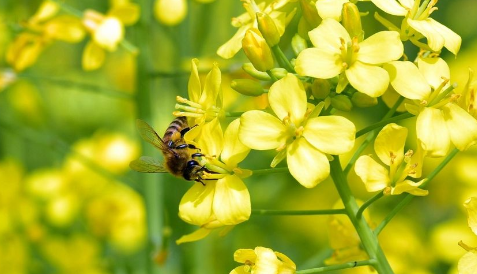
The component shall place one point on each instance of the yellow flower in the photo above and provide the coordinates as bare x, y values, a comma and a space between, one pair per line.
417, 24
170, 12
468, 262
257, 50
224, 201
262, 260
468, 101
278, 10
440, 121
42, 29
205, 103
358, 63
107, 31
331, 8
389, 147
303, 139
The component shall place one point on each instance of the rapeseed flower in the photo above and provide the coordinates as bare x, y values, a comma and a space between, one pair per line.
170, 12
417, 24
357, 63
224, 201
468, 262
281, 11
389, 147
296, 134
440, 121
262, 260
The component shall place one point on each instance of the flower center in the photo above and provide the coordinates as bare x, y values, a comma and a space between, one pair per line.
349, 51
189, 108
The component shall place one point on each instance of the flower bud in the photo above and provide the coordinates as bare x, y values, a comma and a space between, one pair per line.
170, 12
268, 29
362, 100
247, 87
257, 50
279, 73
352, 21
341, 102
252, 71
310, 13
320, 88
298, 44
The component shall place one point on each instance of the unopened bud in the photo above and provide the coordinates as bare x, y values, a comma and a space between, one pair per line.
320, 88
310, 13
362, 100
352, 21
170, 12
341, 102
257, 50
247, 87
252, 71
298, 44
279, 73
268, 29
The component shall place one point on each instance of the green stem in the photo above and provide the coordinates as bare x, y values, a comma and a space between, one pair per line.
368, 203
383, 123
274, 79
282, 59
270, 170
69, 9
372, 134
409, 197
298, 212
368, 238
337, 267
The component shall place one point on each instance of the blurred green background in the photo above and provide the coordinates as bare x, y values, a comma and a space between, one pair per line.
70, 204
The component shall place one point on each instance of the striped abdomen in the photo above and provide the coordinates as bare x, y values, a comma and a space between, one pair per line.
174, 133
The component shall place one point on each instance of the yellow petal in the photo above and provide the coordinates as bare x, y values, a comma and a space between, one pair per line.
260, 130
244, 255
452, 40
330, 134
288, 266
243, 269
407, 80
287, 98
196, 204
211, 138
389, 144
24, 51
370, 80
461, 125
435, 39
468, 263
266, 262
170, 12
128, 13
93, 56
381, 47
307, 165
231, 201
471, 206
318, 63
391, 7
409, 187
330, 8
234, 150
232, 46
374, 176
432, 132
211, 90
199, 234
66, 28
46, 10
327, 36
434, 69
194, 87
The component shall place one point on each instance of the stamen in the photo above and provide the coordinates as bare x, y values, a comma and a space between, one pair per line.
299, 131
392, 156
190, 109
187, 114
188, 102
281, 147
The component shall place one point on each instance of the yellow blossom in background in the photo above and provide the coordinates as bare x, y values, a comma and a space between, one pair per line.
357, 63
224, 201
417, 24
468, 101
389, 147
170, 12
331, 8
107, 31
468, 262
42, 29
262, 260
440, 121
298, 136
281, 12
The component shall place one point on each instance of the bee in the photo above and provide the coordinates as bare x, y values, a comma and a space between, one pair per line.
179, 161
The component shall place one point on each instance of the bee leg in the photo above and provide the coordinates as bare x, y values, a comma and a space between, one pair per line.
196, 155
200, 181
185, 130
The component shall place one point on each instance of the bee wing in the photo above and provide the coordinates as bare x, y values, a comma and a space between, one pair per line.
147, 165
150, 135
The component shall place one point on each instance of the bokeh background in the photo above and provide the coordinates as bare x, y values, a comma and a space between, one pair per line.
70, 204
